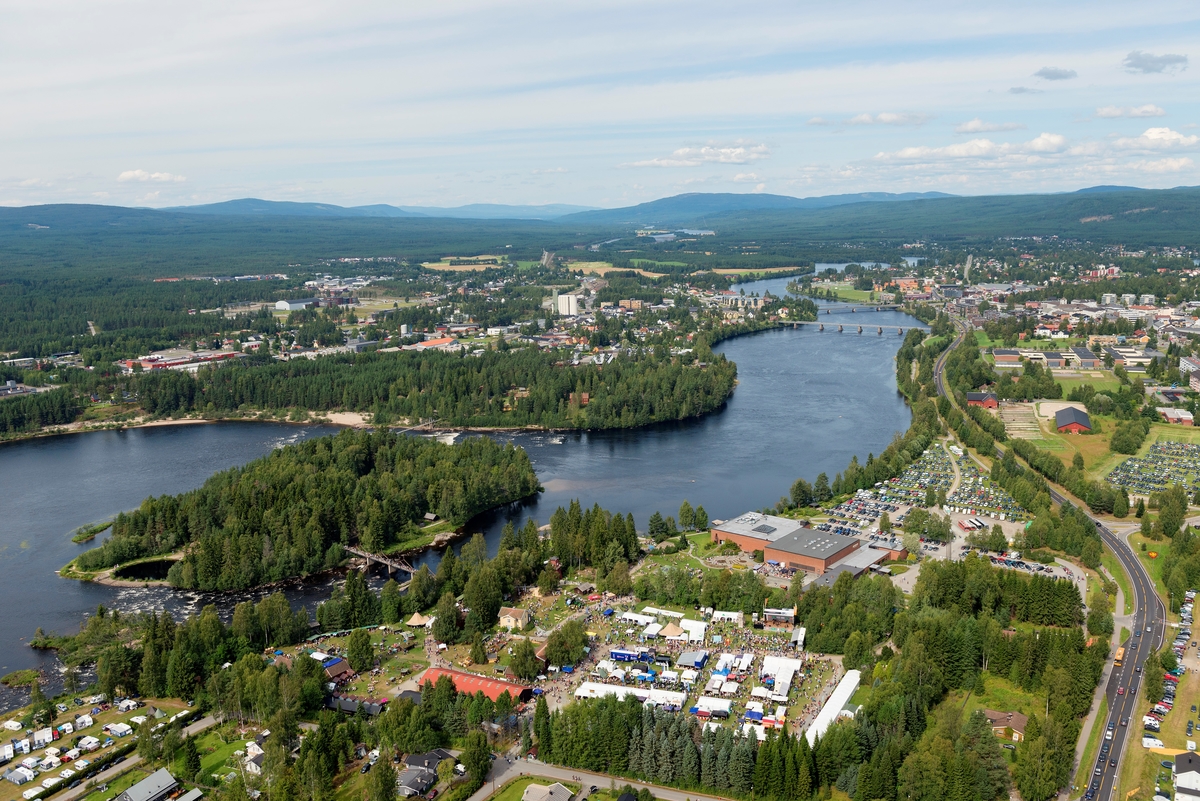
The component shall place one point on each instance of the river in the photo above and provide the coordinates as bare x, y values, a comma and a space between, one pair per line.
806, 402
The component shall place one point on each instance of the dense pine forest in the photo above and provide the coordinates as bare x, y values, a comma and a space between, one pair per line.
523, 387
290, 513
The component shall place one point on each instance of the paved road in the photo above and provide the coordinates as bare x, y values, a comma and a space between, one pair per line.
503, 771
129, 763
1149, 623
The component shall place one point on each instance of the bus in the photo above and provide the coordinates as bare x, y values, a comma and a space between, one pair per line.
1119, 658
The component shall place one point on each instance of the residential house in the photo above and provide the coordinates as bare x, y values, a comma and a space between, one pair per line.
155, 787
428, 760
414, 781
541, 792
514, 618
1007, 725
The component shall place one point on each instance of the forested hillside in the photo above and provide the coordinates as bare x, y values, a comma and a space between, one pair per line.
290, 513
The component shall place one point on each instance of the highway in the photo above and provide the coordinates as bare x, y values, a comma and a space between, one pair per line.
1149, 625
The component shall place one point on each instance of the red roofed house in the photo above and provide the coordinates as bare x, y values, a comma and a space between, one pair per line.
985, 399
470, 683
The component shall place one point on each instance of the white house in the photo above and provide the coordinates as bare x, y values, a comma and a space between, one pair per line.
83, 721
89, 743
43, 737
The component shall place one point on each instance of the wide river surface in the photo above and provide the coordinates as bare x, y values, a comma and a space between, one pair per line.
806, 402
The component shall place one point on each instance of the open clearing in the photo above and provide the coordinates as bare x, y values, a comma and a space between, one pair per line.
604, 268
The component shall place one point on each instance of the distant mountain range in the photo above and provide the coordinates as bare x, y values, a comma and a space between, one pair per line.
676, 210
253, 207
1100, 214
682, 209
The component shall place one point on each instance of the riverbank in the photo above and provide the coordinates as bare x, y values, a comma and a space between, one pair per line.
798, 411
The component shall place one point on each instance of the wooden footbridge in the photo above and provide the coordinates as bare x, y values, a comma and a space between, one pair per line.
393, 564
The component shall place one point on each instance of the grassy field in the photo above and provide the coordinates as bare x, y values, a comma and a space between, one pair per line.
1093, 447
603, 268
516, 788
1107, 382
1092, 749
116, 786
1110, 563
1153, 566
395, 663
999, 693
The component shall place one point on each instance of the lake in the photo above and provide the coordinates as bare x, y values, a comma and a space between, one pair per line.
806, 402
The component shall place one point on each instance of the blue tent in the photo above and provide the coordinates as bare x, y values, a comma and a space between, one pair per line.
608, 612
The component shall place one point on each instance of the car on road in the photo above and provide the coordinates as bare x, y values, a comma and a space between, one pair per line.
1124, 721
1120, 691
432, 794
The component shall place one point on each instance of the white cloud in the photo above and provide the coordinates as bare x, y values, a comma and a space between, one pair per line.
1148, 63
745, 177
979, 126
889, 118
1158, 139
1163, 165
1055, 74
550, 170
737, 153
758, 190
980, 149
1024, 90
1113, 112
142, 175
819, 121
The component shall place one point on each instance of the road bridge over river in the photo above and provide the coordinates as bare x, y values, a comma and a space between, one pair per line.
864, 328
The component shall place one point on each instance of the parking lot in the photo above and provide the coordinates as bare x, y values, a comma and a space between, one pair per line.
1166, 463
978, 495
933, 471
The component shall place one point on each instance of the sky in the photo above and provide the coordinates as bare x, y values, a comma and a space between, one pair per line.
604, 104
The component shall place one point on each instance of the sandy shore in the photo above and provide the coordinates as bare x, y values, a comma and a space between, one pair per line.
158, 423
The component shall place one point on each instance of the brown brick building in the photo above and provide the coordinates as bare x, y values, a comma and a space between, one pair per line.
785, 541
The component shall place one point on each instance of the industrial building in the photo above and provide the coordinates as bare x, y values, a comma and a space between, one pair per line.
785, 542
